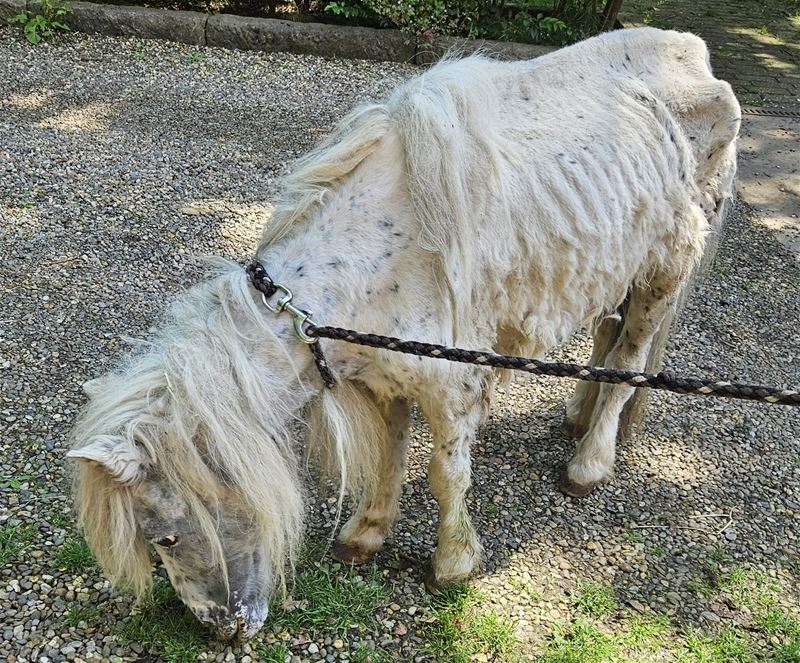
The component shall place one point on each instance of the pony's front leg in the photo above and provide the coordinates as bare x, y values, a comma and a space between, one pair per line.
454, 420
363, 535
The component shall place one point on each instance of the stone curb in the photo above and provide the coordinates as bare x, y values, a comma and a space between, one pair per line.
266, 34
127, 21
10, 8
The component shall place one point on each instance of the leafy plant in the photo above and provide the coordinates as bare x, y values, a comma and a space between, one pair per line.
45, 22
347, 9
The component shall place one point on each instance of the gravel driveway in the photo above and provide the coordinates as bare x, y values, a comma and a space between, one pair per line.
122, 160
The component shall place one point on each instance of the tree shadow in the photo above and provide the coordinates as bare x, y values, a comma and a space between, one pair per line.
753, 45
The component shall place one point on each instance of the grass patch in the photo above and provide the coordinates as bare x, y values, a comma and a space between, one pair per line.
90, 615
327, 595
646, 635
14, 540
59, 520
366, 654
165, 627
274, 653
74, 556
463, 632
748, 588
595, 600
580, 642
730, 645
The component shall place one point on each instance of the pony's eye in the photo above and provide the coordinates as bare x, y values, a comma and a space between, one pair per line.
168, 541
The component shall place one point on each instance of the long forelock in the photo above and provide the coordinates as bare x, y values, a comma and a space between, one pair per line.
209, 417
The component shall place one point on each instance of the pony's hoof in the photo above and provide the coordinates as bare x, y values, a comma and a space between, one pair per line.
348, 554
574, 489
436, 585
571, 429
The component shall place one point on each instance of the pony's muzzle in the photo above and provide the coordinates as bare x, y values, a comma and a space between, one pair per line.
247, 622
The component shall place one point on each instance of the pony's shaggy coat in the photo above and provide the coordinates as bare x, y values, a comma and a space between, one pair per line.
494, 205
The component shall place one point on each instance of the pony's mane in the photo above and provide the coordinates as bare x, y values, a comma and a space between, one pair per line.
197, 381
453, 157
316, 174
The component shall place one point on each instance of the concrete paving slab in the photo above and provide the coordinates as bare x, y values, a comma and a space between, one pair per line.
769, 174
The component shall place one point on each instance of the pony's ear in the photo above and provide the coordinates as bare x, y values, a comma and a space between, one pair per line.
93, 387
124, 461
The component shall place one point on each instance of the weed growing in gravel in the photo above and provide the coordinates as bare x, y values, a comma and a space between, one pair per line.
721, 269
328, 595
194, 58
165, 627
15, 482
74, 556
595, 600
13, 540
631, 537
59, 520
45, 22
527, 589
274, 653
463, 632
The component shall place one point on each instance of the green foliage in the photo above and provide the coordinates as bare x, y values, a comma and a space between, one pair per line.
74, 556
165, 627
557, 22
463, 632
44, 23
348, 9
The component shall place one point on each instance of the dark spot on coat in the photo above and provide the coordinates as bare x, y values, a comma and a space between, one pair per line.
395, 287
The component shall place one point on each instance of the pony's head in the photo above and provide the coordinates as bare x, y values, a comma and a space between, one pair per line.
181, 452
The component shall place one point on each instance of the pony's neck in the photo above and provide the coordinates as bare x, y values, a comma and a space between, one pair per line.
345, 253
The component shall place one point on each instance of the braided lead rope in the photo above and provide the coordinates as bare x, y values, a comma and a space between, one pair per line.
665, 380
266, 286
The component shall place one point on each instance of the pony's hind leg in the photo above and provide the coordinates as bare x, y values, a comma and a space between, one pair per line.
594, 460
364, 533
454, 418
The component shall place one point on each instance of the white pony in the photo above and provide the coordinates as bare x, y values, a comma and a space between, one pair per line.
496, 206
